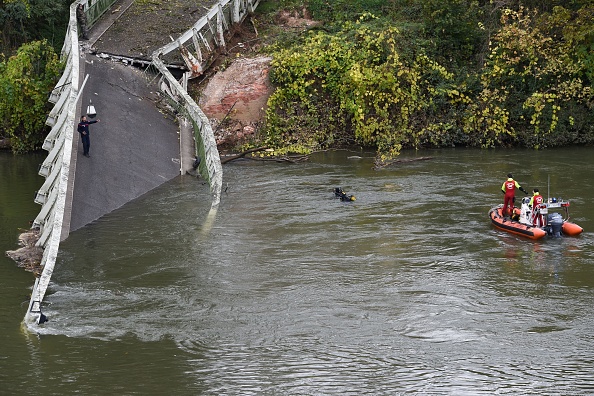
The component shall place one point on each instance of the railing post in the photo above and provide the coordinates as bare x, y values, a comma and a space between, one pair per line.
56, 167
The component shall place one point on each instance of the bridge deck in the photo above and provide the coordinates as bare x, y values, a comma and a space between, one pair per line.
139, 29
135, 147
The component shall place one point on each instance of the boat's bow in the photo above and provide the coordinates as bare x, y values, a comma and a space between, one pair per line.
512, 226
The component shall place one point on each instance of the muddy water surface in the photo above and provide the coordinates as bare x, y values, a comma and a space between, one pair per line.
408, 289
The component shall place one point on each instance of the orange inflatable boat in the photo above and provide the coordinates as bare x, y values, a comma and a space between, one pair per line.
514, 226
521, 223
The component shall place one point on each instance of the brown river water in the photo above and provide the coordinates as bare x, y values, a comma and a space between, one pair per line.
407, 290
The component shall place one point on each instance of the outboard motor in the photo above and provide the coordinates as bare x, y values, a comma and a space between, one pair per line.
555, 224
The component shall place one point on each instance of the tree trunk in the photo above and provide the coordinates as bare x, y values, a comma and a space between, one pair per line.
5, 144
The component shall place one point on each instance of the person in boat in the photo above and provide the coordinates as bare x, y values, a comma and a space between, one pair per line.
535, 201
338, 193
509, 190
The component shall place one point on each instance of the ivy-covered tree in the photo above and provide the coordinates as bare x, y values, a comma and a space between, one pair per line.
453, 27
429, 73
361, 82
339, 11
25, 82
13, 17
533, 82
22, 21
577, 33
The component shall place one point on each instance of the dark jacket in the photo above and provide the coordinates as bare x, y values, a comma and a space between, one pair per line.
81, 16
83, 126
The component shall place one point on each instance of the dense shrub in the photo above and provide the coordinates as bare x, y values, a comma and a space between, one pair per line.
456, 72
26, 80
22, 21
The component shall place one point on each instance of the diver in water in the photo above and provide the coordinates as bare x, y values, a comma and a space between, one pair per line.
339, 193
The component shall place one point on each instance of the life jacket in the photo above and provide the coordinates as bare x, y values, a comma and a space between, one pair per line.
510, 186
537, 218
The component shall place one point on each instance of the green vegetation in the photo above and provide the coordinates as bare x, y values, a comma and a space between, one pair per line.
384, 74
434, 73
25, 82
31, 32
22, 21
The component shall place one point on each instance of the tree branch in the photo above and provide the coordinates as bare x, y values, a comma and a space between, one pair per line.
400, 161
243, 154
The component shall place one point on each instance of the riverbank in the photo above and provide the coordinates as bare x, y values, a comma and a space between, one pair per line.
234, 91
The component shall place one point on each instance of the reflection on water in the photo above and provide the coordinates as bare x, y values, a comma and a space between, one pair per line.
407, 289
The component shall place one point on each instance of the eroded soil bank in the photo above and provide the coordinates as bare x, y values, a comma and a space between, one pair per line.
233, 93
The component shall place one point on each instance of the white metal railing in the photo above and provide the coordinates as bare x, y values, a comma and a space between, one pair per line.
56, 167
94, 9
195, 45
203, 34
206, 147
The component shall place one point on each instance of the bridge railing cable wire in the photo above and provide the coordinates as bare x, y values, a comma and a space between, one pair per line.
56, 168
197, 47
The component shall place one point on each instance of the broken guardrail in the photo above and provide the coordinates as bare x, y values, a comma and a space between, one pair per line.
52, 195
206, 36
197, 45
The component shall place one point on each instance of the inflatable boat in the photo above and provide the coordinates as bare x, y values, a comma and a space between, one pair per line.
522, 220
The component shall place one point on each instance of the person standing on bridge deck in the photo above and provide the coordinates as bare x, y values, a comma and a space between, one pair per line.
81, 17
83, 129
509, 189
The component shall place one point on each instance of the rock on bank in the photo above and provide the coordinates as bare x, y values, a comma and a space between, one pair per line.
236, 98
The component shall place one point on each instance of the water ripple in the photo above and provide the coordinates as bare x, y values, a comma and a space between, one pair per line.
409, 289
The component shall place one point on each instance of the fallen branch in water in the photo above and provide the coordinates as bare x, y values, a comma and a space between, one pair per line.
5, 143
286, 158
399, 161
243, 154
